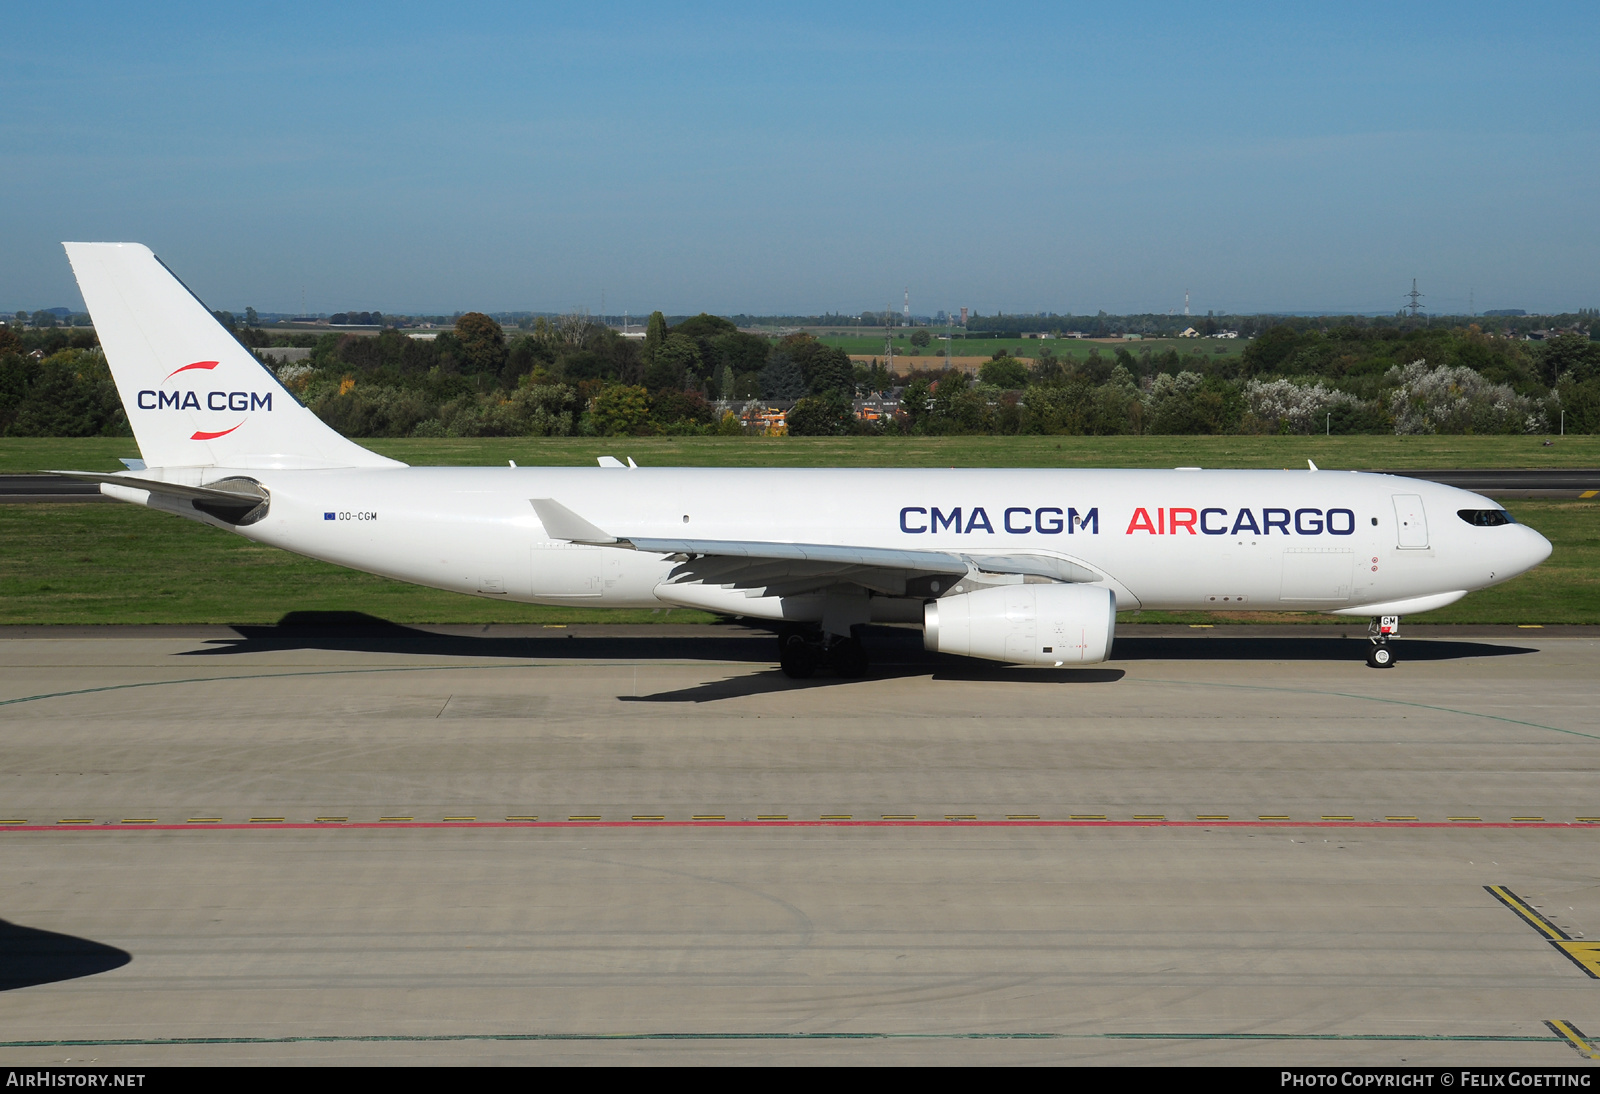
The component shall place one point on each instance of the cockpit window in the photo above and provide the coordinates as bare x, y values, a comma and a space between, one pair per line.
1485, 518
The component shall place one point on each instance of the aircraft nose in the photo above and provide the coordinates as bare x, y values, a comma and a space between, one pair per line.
1532, 550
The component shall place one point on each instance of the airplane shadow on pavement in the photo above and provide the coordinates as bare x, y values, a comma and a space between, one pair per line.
29, 956
896, 652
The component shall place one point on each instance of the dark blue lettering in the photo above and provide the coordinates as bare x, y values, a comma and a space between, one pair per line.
1049, 525
189, 401
168, 398
1074, 521
903, 514
238, 400
952, 521
1207, 529
1016, 531
979, 515
144, 405
1349, 529
1299, 525
1268, 522
261, 402
211, 400
1245, 519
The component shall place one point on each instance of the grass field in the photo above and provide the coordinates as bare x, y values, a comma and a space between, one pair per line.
121, 564
873, 344
1355, 453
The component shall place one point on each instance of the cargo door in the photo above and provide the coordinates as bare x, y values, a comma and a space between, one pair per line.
1315, 576
567, 570
1411, 523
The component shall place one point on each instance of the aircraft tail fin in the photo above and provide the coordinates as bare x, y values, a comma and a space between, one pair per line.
193, 393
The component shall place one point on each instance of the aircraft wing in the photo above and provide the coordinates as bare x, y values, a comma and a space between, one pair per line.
790, 569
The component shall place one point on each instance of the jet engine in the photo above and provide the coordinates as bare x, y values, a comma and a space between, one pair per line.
1063, 624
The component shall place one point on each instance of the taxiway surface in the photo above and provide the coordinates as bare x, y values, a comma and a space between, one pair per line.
1238, 845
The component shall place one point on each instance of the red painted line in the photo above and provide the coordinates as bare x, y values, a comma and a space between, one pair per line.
308, 825
201, 436
208, 365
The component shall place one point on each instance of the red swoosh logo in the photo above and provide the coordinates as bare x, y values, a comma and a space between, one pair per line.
186, 368
213, 436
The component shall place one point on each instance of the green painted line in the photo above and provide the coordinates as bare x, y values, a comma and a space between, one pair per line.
1375, 699
602, 1037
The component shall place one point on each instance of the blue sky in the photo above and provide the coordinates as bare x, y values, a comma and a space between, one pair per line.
759, 158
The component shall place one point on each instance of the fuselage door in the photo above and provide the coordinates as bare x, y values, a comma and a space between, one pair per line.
1411, 523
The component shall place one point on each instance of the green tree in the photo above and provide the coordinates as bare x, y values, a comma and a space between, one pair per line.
1006, 373
621, 410
483, 343
676, 364
251, 319
655, 333
920, 338
826, 415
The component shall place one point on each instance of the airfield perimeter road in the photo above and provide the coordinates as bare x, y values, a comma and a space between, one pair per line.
292, 845
1515, 483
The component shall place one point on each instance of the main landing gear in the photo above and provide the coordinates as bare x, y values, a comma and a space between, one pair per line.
802, 652
1380, 631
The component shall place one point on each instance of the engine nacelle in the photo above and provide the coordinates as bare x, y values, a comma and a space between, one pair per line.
1024, 624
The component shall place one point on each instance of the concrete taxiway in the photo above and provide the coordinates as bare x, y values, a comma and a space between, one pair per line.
1236, 845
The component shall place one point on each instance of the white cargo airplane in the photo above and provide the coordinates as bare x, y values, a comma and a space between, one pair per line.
1023, 566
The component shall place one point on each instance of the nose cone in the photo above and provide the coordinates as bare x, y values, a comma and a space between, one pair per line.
1531, 550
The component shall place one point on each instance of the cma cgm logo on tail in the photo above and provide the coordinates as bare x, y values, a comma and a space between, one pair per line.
1217, 522
230, 402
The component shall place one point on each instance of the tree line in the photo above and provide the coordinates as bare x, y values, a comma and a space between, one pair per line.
573, 375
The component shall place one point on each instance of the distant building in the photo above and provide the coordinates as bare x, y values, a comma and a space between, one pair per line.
1189, 332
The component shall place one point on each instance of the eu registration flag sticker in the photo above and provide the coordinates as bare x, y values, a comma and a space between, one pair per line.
327, 516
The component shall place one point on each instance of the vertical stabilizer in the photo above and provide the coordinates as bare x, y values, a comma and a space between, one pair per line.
194, 395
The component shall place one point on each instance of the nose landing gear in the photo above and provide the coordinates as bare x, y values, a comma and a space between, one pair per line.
1380, 631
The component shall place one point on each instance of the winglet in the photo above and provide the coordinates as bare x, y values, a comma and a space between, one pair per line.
562, 523
1313, 464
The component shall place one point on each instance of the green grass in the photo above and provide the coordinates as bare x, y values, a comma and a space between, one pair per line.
1028, 347
103, 563
1357, 453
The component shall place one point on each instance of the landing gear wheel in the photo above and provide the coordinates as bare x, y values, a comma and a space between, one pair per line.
849, 659
1380, 657
796, 657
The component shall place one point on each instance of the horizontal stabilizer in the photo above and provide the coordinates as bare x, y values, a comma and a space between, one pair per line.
229, 490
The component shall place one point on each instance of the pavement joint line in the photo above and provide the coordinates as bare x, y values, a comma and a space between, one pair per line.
1575, 1037
783, 820
1372, 699
1282, 1038
534, 663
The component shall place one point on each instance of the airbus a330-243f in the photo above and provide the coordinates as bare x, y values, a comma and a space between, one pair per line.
1022, 566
